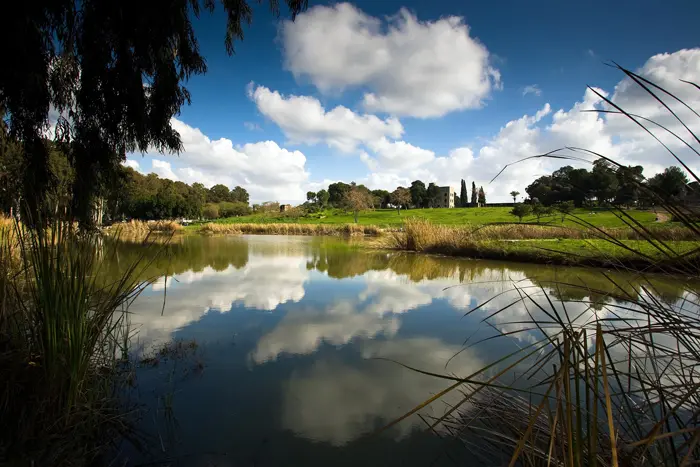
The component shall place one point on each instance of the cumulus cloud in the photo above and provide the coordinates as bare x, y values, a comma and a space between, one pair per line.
407, 66
399, 155
163, 169
266, 170
611, 135
359, 395
304, 120
392, 159
264, 283
132, 163
303, 331
532, 89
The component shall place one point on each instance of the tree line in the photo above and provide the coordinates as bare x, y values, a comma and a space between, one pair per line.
129, 195
417, 195
606, 184
148, 197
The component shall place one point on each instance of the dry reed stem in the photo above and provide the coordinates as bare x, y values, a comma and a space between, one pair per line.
290, 229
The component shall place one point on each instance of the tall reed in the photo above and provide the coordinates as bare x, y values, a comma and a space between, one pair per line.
61, 331
290, 229
588, 384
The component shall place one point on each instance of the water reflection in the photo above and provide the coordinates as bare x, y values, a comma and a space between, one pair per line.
294, 331
303, 331
360, 397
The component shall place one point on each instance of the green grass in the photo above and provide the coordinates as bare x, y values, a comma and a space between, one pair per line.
595, 252
443, 216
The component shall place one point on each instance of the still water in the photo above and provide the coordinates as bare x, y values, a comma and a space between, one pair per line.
297, 340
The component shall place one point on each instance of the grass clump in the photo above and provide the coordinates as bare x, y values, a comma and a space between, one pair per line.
617, 247
135, 228
609, 378
62, 332
289, 229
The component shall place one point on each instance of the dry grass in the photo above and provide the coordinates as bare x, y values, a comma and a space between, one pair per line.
290, 229
62, 335
135, 227
422, 235
611, 384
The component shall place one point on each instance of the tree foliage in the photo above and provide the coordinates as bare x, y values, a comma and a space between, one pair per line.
622, 186
382, 198
482, 196
565, 208
521, 210
113, 72
322, 197
400, 197
463, 196
432, 196
211, 211
418, 193
539, 210
474, 195
357, 199
671, 184
336, 193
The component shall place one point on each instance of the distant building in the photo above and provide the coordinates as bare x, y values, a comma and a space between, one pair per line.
446, 197
285, 207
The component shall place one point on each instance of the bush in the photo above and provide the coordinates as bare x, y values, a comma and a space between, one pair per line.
540, 210
564, 208
227, 209
211, 211
521, 210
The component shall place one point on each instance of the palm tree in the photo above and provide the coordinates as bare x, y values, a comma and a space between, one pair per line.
514, 194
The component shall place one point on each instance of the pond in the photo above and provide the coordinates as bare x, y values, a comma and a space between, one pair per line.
289, 347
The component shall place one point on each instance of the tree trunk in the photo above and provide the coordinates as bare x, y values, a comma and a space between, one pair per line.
356, 212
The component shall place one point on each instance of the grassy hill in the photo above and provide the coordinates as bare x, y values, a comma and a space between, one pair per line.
444, 216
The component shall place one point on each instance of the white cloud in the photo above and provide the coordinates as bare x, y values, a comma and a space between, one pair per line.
301, 332
611, 135
266, 170
264, 283
393, 160
408, 67
532, 89
252, 126
134, 164
163, 169
399, 155
304, 120
378, 390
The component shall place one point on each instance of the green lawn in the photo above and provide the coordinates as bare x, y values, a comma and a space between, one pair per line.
600, 253
456, 216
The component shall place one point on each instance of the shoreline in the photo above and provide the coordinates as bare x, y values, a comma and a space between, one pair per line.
534, 254
425, 238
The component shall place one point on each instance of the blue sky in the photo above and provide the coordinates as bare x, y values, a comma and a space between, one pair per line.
431, 90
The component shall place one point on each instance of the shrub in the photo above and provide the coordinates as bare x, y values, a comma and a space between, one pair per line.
227, 209
211, 211
565, 208
521, 210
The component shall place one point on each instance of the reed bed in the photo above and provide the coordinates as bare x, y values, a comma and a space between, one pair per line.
420, 234
140, 228
612, 383
290, 229
62, 343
